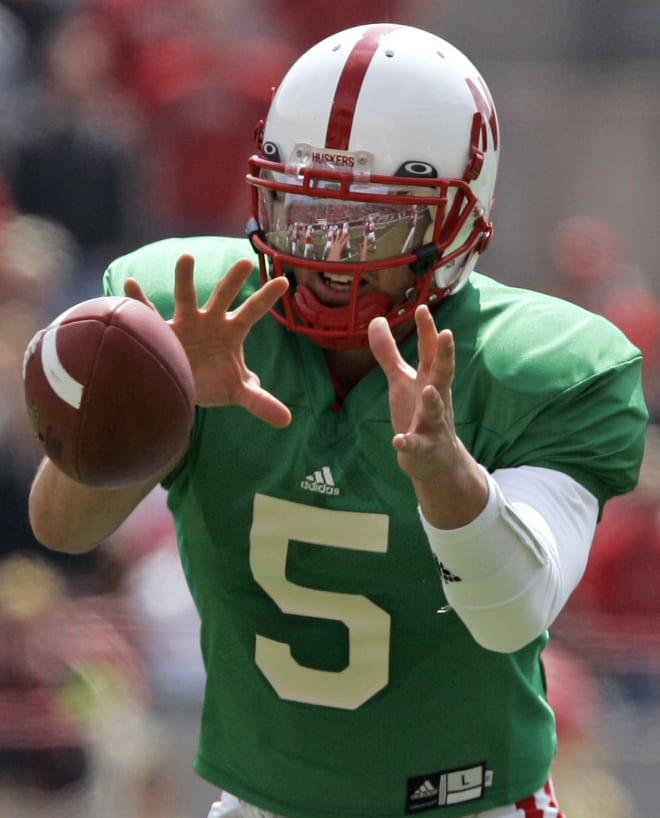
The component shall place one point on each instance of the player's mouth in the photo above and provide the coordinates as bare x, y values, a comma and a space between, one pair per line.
337, 282
334, 288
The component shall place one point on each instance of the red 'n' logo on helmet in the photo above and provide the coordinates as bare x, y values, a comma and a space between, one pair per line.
485, 107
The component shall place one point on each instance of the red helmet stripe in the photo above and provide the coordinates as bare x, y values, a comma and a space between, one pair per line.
348, 88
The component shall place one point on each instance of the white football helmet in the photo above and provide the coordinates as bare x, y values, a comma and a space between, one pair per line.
380, 150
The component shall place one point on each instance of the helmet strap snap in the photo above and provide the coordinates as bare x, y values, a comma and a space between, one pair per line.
427, 257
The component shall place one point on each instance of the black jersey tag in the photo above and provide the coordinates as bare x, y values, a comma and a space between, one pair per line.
444, 789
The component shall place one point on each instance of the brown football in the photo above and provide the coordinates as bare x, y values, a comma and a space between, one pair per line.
109, 391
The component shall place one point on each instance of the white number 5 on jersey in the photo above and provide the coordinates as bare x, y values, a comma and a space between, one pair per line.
275, 523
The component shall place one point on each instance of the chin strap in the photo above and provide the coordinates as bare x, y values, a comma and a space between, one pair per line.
317, 315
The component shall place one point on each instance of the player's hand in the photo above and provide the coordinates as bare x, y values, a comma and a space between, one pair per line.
336, 252
420, 400
213, 337
451, 488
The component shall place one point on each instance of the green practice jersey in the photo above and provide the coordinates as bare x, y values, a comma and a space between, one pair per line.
336, 686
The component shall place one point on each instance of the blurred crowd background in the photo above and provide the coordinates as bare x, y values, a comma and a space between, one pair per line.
124, 121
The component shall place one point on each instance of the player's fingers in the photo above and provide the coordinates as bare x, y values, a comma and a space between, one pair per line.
408, 443
384, 348
265, 406
227, 289
270, 410
185, 293
258, 304
444, 363
427, 335
433, 407
133, 289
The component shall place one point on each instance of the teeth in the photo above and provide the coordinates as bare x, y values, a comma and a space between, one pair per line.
337, 280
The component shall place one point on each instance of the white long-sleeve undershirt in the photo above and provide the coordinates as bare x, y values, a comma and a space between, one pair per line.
512, 569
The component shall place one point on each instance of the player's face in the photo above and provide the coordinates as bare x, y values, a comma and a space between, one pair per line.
333, 289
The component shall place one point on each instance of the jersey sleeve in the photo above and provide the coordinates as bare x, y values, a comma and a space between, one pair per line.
594, 431
153, 266
543, 382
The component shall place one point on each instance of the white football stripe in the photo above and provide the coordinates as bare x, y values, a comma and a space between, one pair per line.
59, 380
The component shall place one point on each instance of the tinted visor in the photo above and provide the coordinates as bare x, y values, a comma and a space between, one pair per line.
333, 229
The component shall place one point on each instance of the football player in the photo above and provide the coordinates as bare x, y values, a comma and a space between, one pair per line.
397, 464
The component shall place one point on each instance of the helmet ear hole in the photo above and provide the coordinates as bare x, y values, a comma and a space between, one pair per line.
270, 152
417, 169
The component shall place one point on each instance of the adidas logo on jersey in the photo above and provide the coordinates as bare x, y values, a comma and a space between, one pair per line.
424, 791
321, 482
